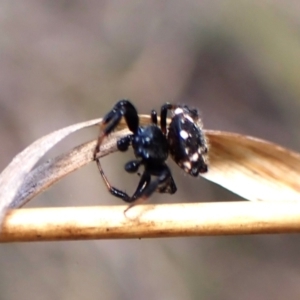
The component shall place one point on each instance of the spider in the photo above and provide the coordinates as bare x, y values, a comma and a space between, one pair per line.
183, 139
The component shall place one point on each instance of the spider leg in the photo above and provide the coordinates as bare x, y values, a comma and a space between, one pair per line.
132, 166
164, 181
168, 188
124, 142
147, 187
142, 186
154, 117
114, 191
123, 108
163, 115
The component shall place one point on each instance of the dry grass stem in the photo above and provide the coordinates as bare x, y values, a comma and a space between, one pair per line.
145, 221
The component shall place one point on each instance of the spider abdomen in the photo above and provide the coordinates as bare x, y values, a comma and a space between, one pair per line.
188, 146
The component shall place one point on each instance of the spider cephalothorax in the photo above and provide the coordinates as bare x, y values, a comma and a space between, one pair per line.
183, 139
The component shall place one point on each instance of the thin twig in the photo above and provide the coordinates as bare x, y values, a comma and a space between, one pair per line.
145, 221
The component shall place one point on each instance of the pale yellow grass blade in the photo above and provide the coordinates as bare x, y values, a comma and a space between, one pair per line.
252, 168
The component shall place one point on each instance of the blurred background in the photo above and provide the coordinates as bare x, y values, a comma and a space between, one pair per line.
64, 62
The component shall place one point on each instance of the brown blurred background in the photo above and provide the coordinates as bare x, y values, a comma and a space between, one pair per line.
63, 62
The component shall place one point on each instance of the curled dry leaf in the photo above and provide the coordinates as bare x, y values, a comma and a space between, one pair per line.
46, 174
13, 176
252, 168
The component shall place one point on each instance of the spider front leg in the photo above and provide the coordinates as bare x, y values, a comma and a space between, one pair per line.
130, 167
163, 115
114, 191
123, 108
164, 182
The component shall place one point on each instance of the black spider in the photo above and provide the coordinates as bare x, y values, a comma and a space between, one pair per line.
183, 139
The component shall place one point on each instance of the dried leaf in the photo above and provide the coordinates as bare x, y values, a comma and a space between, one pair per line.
48, 173
14, 174
252, 168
